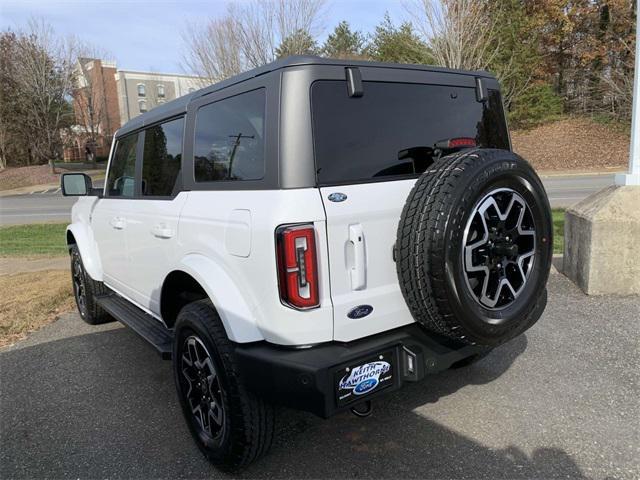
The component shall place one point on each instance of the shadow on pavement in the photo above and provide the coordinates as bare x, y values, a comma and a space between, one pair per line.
104, 405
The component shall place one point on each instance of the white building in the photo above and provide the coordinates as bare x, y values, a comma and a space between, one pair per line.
139, 92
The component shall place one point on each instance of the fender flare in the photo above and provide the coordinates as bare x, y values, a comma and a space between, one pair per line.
88, 250
236, 314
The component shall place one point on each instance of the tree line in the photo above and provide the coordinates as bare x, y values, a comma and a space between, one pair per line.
551, 56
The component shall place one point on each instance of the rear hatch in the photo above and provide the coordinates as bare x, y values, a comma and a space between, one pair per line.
369, 150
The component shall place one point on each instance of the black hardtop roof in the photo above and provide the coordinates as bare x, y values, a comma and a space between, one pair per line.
179, 105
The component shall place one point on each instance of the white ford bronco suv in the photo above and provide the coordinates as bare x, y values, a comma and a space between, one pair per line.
313, 233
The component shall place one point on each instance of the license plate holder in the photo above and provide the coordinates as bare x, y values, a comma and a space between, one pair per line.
364, 377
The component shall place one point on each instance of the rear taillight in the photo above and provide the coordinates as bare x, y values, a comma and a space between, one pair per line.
462, 142
297, 266
458, 142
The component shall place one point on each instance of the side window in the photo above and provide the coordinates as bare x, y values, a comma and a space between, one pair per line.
121, 177
162, 158
229, 139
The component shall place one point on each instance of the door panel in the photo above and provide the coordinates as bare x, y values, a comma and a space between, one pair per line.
109, 219
152, 230
110, 223
152, 235
361, 234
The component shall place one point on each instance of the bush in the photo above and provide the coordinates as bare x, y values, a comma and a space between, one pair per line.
539, 104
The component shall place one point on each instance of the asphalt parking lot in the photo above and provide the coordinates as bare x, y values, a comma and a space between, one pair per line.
559, 402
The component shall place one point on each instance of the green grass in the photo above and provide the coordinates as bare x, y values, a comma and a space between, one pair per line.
558, 230
32, 240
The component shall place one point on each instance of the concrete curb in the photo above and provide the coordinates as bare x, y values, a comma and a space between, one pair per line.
569, 173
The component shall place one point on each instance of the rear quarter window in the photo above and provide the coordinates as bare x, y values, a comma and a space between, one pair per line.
230, 139
394, 129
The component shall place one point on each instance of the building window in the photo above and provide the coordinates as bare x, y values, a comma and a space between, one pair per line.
143, 105
160, 91
141, 90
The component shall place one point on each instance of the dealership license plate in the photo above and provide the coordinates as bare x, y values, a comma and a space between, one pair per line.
363, 378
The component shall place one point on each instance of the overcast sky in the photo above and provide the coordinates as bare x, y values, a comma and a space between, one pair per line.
145, 34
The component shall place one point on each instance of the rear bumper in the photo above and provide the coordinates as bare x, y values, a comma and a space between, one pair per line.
307, 379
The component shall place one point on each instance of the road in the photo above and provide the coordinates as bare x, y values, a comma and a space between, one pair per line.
563, 191
558, 402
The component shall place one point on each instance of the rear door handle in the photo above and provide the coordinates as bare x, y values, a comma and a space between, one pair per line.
162, 231
359, 270
118, 223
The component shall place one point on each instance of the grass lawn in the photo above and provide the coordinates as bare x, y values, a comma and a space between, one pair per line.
32, 300
558, 230
33, 240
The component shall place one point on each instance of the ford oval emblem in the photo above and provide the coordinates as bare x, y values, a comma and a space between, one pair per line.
360, 311
337, 197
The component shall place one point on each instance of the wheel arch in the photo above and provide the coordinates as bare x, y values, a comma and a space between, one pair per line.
199, 277
79, 235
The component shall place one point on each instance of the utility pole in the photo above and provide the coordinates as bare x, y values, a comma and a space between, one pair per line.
236, 144
633, 177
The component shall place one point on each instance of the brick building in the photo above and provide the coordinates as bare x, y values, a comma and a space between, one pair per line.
106, 98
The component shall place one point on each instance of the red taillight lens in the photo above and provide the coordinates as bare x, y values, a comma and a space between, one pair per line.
297, 266
462, 142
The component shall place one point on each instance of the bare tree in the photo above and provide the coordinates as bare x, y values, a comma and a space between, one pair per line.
45, 73
248, 35
459, 33
213, 50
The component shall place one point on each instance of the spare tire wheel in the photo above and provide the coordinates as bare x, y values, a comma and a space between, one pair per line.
474, 247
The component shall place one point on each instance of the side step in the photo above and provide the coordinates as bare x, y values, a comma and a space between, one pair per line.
139, 321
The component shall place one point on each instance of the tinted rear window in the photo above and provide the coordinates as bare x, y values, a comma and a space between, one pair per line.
396, 129
229, 143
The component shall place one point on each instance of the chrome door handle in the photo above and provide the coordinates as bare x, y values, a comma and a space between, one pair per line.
118, 223
359, 270
162, 231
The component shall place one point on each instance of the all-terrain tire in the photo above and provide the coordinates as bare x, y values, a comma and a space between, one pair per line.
248, 421
85, 290
430, 244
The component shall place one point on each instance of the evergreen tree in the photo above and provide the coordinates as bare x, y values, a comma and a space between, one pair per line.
397, 44
299, 43
344, 43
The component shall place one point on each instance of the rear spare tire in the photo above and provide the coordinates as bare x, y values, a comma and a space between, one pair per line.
474, 247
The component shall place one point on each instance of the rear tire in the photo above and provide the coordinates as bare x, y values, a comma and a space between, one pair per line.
237, 427
474, 247
85, 290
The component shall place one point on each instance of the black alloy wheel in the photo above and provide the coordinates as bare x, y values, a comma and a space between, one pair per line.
203, 392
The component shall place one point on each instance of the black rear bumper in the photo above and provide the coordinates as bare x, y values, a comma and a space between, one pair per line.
305, 379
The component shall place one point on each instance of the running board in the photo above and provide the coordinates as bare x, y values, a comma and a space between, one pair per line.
149, 328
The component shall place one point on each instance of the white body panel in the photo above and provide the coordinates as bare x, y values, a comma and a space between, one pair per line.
213, 226
226, 241
152, 247
361, 235
109, 224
